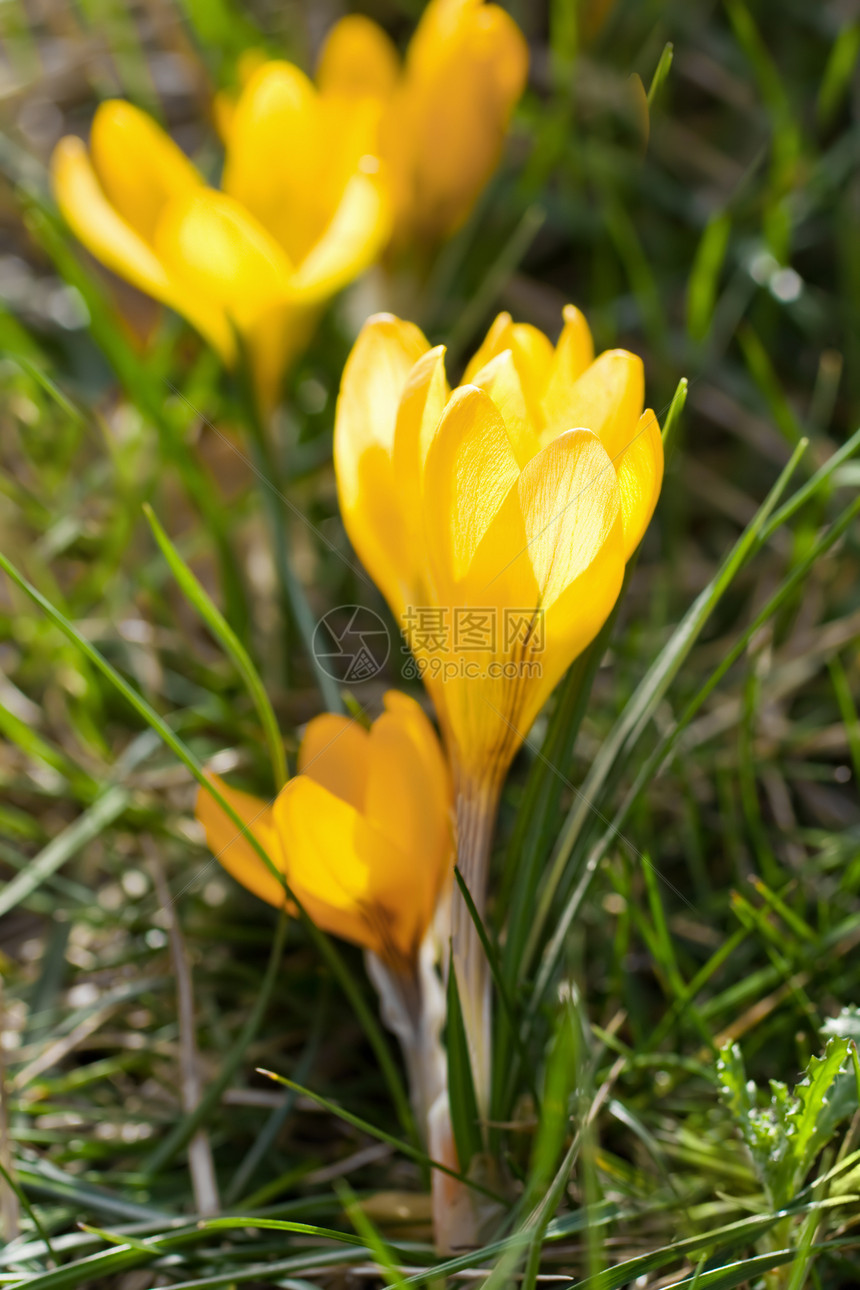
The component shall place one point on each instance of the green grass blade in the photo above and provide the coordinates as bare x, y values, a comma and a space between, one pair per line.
637, 713
176, 745
668, 741
465, 1119
374, 1132
661, 72
223, 632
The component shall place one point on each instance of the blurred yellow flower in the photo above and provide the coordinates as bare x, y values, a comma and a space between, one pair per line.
363, 833
496, 519
442, 118
251, 264
438, 121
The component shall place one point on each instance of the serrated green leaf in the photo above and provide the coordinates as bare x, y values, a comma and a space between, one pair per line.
809, 1126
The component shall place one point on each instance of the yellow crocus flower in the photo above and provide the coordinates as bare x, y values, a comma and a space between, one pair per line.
362, 834
250, 265
497, 520
444, 115
503, 513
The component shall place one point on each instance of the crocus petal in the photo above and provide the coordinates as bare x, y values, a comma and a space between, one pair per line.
421, 406
232, 849
209, 242
371, 387
555, 549
470, 470
501, 380
139, 167
435, 776
497, 339
607, 399
532, 353
573, 354
576, 551
334, 753
357, 59
275, 157
465, 68
352, 881
96, 223
570, 503
407, 797
640, 476
358, 231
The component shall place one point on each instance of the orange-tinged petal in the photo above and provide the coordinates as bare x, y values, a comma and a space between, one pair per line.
276, 156
334, 753
465, 68
232, 849
139, 167
350, 878
573, 354
501, 380
640, 476
470, 470
96, 223
373, 382
404, 802
607, 399
357, 59
358, 231
212, 244
414, 811
435, 776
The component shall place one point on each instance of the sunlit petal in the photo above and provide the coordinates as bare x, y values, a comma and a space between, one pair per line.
607, 399
640, 476
470, 470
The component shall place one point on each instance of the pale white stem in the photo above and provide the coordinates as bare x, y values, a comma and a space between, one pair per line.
476, 806
412, 1005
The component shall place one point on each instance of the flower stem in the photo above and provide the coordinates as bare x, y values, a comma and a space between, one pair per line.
476, 805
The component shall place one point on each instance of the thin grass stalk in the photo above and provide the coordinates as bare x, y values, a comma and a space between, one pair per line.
295, 602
